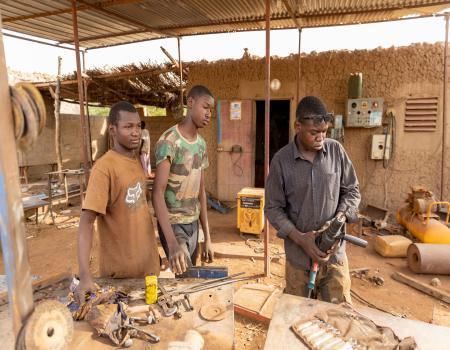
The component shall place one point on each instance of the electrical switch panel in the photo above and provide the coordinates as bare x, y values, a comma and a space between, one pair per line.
364, 112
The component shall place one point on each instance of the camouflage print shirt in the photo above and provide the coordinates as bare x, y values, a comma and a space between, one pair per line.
187, 160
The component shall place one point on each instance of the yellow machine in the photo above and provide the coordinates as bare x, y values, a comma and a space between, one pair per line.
250, 213
420, 217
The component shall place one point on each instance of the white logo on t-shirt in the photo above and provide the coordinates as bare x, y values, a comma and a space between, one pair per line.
133, 194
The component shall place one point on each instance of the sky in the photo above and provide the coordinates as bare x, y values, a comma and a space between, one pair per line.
31, 57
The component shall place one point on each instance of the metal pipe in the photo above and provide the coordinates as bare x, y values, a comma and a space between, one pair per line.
57, 104
12, 229
180, 66
205, 283
444, 112
80, 91
38, 41
218, 284
267, 136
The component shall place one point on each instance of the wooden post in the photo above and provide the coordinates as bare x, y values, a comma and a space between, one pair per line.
180, 64
12, 228
84, 130
86, 98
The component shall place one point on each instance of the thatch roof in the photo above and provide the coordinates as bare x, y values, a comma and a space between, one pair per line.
142, 83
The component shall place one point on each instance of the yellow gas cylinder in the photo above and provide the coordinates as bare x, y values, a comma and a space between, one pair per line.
428, 230
250, 210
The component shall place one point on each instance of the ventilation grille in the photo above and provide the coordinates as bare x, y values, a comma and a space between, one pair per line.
421, 114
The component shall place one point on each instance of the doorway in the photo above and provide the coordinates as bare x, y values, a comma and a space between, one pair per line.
279, 133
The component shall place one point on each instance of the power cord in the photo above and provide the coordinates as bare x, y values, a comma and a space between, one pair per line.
390, 131
237, 149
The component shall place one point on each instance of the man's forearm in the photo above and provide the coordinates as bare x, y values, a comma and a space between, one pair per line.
204, 216
85, 235
162, 215
279, 220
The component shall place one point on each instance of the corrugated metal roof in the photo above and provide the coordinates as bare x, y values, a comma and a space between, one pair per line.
112, 22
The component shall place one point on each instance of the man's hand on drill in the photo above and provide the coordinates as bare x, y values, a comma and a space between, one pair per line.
308, 242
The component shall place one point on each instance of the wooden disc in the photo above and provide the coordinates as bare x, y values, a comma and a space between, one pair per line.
50, 326
213, 312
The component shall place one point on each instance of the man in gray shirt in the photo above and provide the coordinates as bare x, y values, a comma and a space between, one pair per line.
312, 180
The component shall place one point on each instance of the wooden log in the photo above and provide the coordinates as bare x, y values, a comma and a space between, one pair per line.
434, 292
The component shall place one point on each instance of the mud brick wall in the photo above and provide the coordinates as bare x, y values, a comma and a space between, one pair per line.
394, 74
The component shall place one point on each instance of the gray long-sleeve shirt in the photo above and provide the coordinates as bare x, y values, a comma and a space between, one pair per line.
304, 195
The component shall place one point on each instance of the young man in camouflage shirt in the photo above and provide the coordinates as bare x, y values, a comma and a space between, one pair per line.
179, 197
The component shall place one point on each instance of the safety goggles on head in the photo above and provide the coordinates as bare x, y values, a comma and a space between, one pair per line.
317, 118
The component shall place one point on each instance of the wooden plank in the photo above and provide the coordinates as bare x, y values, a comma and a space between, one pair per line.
441, 316
434, 292
227, 250
40, 284
256, 300
251, 314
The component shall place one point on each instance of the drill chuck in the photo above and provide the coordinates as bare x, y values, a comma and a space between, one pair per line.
332, 233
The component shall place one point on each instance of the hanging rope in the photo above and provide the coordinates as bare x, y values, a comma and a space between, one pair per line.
29, 113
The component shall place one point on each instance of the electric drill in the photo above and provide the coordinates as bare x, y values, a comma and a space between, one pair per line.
334, 232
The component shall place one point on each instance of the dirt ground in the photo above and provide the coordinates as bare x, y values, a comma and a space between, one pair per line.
53, 249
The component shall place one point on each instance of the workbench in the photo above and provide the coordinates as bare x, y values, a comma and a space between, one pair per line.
67, 194
290, 309
33, 203
218, 335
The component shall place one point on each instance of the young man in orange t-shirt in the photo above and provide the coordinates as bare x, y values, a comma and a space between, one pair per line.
116, 198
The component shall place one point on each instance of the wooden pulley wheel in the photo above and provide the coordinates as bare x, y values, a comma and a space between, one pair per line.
19, 119
30, 118
50, 326
38, 101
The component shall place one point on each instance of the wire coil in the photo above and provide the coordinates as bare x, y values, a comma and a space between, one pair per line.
29, 113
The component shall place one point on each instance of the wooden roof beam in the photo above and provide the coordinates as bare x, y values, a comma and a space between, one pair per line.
68, 10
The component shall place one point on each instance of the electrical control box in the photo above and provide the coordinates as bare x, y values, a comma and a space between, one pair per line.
381, 146
364, 112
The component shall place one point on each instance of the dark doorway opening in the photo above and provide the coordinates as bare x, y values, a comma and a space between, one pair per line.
279, 133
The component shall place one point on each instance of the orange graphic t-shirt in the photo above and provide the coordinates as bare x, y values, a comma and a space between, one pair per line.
116, 191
